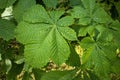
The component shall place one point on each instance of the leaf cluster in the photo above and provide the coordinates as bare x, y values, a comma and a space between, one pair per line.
83, 34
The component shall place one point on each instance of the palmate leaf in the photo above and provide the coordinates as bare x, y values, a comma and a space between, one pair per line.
95, 57
46, 39
90, 12
7, 29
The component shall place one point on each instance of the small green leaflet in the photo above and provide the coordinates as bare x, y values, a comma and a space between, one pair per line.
90, 12
7, 29
46, 40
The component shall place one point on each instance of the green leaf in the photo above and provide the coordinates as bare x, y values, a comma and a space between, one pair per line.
65, 21
55, 15
83, 31
84, 21
6, 3
82, 14
50, 3
109, 49
61, 50
89, 5
59, 75
78, 12
100, 16
21, 7
94, 57
42, 15
37, 41
37, 34
44, 31
68, 33
89, 13
87, 29
6, 29
103, 33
